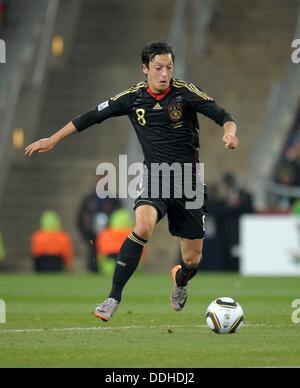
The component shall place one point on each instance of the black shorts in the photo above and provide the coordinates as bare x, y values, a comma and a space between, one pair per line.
183, 222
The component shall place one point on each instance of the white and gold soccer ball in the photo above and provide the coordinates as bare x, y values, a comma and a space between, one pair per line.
224, 316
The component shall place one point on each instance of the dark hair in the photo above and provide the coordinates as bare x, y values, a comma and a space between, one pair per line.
156, 48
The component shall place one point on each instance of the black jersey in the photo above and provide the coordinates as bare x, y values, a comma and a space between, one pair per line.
166, 124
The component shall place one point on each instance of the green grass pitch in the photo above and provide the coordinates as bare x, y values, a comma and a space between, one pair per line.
50, 323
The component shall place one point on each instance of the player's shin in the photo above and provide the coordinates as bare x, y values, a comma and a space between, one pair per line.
185, 274
127, 263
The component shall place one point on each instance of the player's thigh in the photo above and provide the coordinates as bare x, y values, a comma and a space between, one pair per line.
191, 251
146, 219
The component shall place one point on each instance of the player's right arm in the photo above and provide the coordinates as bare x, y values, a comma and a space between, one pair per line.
46, 145
116, 106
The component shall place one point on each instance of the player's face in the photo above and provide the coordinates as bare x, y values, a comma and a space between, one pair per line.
159, 72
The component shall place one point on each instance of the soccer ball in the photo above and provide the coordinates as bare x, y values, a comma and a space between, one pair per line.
224, 316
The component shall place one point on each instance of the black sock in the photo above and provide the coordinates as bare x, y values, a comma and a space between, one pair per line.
128, 261
185, 274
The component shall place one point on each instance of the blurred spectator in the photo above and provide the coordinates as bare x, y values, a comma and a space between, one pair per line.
51, 247
213, 224
3, 12
287, 171
237, 201
93, 217
292, 149
110, 239
287, 175
295, 210
2, 249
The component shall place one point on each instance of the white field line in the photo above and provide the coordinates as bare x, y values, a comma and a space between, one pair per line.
116, 328
272, 367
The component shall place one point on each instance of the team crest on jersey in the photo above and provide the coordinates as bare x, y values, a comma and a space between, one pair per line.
175, 112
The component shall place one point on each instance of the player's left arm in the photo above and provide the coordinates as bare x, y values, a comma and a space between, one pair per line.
206, 105
230, 139
219, 115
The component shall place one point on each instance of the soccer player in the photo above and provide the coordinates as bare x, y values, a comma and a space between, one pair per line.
163, 112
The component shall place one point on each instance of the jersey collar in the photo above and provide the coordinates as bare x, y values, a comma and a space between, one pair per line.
160, 96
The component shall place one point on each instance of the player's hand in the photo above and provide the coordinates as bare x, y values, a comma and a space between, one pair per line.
231, 142
40, 146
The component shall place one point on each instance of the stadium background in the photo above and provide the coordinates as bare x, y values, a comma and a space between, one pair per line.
65, 56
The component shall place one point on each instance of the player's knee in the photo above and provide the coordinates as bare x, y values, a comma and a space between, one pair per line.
193, 259
144, 230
